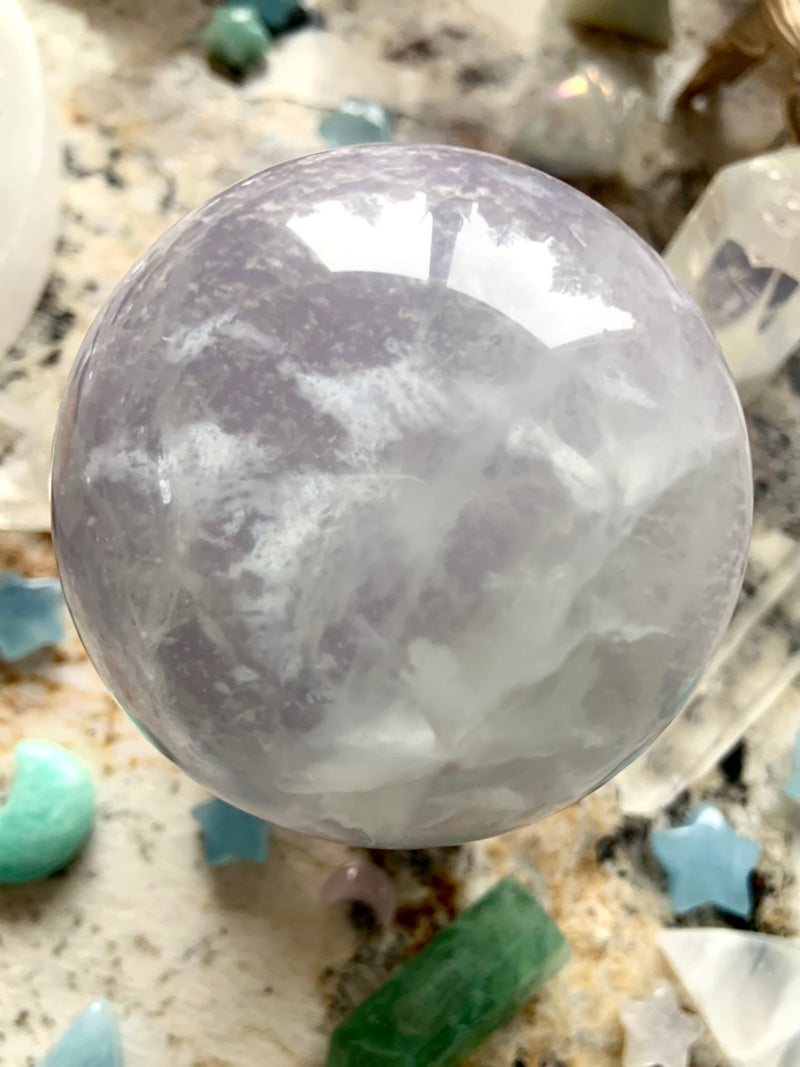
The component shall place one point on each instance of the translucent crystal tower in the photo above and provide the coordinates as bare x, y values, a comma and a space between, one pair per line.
738, 254
400, 494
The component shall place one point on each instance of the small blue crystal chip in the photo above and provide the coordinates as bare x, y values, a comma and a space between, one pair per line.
355, 121
231, 834
30, 615
91, 1041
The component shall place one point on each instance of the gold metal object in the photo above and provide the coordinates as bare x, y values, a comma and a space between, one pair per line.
768, 26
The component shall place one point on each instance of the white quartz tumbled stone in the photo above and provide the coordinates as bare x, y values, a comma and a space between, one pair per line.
400, 494
28, 220
28, 174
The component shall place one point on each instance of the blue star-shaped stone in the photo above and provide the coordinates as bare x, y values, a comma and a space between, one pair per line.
707, 863
30, 615
231, 834
793, 785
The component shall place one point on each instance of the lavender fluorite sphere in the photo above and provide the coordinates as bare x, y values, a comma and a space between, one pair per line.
400, 494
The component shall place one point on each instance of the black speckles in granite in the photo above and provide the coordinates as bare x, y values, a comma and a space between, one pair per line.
793, 371
475, 75
630, 839
628, 854
774, 429
414, 50
51, 359
53, 319
678, 810
369, 967
732, 764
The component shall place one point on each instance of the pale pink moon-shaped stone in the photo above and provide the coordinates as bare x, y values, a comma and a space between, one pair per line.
362, 881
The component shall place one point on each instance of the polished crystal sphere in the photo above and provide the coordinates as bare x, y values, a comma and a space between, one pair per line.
400, 494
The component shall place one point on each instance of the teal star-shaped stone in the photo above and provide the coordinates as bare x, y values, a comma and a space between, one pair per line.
231, 834
707, 863
91, 1041
793, 785
30, 615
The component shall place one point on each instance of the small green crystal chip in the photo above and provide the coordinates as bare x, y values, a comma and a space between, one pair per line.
468, 981
236, 37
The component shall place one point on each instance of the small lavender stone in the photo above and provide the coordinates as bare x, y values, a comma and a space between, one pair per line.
30, 615
429, 499
230, 834
91, 1041
707, 863
365, 882
356, 122
48, 814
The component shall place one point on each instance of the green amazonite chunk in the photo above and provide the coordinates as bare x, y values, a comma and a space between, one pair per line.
48, 814
469, 980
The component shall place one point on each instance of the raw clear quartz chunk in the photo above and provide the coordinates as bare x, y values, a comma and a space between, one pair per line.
747, 988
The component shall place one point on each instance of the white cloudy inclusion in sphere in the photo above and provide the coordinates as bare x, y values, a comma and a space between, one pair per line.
400, 494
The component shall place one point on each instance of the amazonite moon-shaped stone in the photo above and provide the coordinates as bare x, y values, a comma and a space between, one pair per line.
48, 814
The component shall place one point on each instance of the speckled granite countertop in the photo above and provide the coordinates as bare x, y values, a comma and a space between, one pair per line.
231, 967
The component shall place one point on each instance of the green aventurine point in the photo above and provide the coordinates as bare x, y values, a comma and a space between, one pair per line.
468, 981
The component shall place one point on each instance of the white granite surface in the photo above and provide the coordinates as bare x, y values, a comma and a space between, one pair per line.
229, 968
